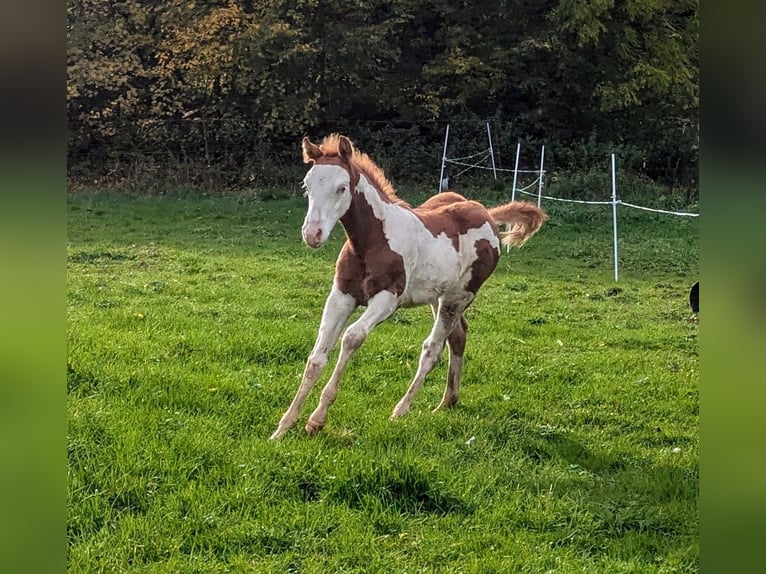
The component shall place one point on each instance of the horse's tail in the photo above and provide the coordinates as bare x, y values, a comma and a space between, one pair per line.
522, 218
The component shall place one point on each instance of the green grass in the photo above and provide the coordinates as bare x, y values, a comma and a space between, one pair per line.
574, 447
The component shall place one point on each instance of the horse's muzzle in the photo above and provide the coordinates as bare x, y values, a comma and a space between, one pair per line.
312, 235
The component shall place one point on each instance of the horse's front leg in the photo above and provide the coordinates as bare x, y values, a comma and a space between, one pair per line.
337, 310
379, 308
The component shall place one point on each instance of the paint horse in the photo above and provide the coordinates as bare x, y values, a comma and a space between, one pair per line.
437, 254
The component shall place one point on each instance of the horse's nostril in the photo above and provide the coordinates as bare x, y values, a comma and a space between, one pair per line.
312, 234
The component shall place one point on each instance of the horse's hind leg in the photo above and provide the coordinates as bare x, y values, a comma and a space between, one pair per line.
337, 310
448, 317
456, 344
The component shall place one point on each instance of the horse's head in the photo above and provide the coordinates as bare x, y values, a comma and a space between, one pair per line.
329, 185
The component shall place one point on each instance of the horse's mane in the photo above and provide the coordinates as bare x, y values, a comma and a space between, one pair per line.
330, 146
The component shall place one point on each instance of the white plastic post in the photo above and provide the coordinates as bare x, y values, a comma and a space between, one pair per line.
444, 158
540, 186
491, 151
614, 219
515, 171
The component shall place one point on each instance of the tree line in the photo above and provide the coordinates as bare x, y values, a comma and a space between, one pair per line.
219, 92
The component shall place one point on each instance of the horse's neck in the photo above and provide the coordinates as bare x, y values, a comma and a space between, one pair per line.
363, 221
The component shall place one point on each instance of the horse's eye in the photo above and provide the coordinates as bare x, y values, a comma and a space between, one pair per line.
341, 188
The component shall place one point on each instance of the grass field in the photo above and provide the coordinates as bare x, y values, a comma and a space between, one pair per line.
574, 447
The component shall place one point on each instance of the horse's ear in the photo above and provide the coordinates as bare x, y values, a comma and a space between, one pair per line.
345, 149
311, 152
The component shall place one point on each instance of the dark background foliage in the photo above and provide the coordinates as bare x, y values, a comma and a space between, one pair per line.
216, 94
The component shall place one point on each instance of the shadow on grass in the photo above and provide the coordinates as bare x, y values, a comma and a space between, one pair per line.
398, 486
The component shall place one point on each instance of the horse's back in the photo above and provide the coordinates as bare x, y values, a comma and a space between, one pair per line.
453, 214
440, 200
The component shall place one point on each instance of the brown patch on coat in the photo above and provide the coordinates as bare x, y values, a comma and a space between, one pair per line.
452, 214
348, 269
367, 265
487, 257
457, 338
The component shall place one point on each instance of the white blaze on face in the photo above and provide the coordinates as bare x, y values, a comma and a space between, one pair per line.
328, 190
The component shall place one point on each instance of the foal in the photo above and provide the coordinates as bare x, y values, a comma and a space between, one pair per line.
437, 254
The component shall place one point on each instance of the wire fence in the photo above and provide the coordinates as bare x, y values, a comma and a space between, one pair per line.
614, 201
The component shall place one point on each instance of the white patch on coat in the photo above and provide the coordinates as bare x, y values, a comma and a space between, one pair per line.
433, 267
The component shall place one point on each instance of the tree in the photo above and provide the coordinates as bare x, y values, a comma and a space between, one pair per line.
232, 84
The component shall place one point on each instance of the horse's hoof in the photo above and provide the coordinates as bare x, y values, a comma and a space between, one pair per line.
277, 433
445, 405
313, 428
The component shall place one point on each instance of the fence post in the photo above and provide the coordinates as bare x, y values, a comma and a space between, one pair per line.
515, 171
540, 187
444, 159
491, 151
614, 220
